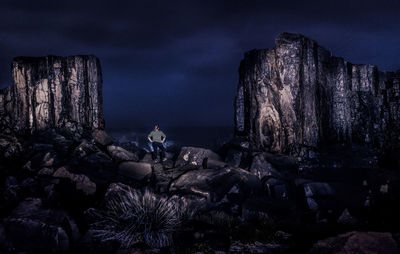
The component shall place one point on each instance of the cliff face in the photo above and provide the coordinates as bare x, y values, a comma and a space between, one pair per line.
53, 92
298, 95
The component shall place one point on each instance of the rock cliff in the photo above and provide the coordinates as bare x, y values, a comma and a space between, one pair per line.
298, 95
53, 92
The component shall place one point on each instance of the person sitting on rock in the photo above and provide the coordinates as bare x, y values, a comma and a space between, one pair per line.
157, 138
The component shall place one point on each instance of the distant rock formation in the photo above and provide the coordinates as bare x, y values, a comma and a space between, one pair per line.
53, 92
298, 95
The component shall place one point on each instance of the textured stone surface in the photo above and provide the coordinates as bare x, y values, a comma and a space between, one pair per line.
134, 170
32, 227
82, 182
357, 242
119, 154
53, 92
195, 156
298, 95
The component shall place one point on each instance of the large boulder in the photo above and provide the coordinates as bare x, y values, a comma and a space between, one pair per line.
82, 182
195, 156
31, 227
135, 170
91, 155
357, 243
298, 96
214, 184
119, 154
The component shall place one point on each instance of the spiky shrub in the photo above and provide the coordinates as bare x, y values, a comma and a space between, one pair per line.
132, 216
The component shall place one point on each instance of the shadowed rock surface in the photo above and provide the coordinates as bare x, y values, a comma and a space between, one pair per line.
298, 95
53, 92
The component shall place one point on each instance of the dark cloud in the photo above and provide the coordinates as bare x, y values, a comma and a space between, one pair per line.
175, 62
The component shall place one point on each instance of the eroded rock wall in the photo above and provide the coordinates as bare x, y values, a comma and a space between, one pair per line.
298, 95
53, 92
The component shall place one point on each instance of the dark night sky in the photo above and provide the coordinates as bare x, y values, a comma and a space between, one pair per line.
176, 62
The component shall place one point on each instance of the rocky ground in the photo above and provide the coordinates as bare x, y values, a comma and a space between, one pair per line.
63, 194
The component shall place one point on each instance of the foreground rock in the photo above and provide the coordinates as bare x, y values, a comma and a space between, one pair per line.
53, 92
298, 96
135, 170
81, 182
357, 243
31, 227
215, 184
119, 154
195, 156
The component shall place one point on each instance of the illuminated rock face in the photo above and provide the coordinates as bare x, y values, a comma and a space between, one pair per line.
53, 92
298, 95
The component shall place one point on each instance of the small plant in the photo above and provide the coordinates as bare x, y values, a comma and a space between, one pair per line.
132, 216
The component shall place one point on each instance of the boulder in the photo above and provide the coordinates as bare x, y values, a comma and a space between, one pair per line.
215, 184
134, 170
119, 154
195, 156
84, 149
356, 243
262, 168
82, 182
101, 138
31, 227
214, 164
98, 160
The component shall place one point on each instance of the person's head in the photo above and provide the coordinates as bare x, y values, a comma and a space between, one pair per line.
156, 127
